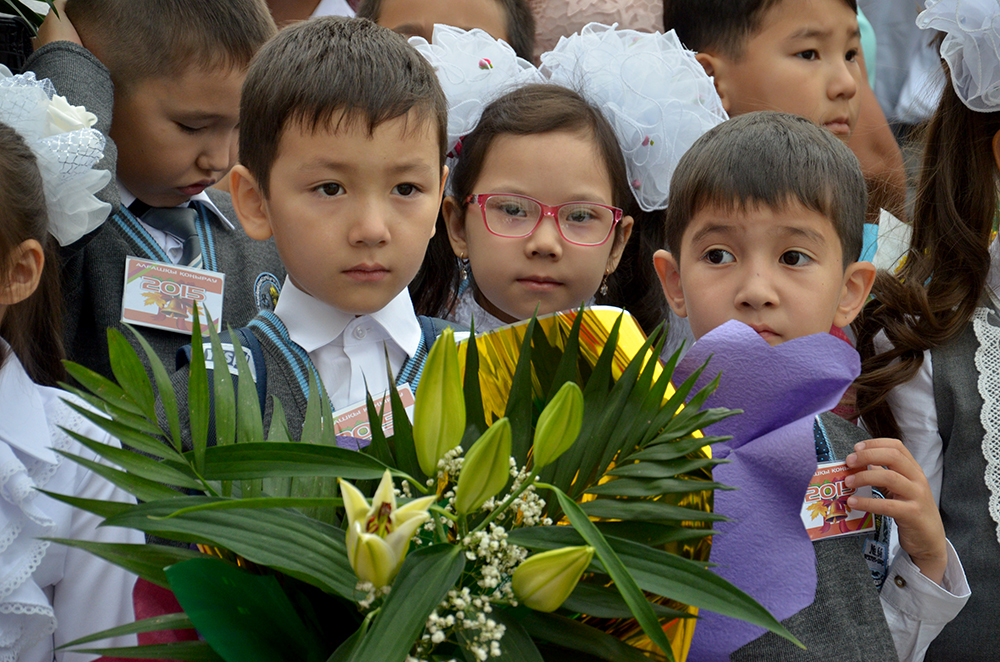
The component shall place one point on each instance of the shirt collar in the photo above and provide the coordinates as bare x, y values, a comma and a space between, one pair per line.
28, 430
312, 323
127, 199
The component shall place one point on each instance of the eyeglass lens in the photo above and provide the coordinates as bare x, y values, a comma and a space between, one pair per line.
579, 222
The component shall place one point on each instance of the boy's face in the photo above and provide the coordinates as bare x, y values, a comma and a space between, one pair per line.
351, 213
416, 18
803, 61
779, 271
177, 135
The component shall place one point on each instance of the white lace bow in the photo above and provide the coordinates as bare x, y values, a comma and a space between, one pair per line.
66, 149
971, 48
652, 91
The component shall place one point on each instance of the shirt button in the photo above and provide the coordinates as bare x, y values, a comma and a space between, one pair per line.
900, 582
360, 332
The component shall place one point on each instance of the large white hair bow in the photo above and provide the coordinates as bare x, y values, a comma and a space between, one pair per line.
971, 48
66, 149
653, 92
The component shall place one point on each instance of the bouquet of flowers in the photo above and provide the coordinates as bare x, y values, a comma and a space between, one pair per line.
551, 503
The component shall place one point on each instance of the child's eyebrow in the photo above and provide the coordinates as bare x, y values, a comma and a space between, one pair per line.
816, 33
710, 230
812, 235
323, 163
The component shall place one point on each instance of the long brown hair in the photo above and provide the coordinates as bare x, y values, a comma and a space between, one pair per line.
943, 277
535, 109
33, 326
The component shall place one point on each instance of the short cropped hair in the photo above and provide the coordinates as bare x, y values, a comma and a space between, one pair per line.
141, 39
519, 22
316, 68
719, 25
770, 159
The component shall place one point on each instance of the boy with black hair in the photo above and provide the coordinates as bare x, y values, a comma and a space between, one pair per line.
510, 20
164, 78
793, 56
343, 166
764, 226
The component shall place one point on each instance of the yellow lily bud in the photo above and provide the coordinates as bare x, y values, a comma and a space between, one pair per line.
486, 468
378, 535
544, 581
558, 425
439, 411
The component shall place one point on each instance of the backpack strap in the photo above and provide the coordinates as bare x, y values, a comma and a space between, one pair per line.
251, 350
430, 329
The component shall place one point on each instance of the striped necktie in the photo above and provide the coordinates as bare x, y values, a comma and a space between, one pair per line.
179, 222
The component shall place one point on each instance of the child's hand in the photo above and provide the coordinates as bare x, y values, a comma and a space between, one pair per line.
57, 28
910, 502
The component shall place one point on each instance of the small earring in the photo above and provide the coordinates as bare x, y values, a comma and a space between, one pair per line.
463, 263
604, 285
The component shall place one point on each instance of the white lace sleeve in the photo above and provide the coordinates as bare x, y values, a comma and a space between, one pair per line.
988, 367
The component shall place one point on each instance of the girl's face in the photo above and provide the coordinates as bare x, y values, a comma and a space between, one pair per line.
514, 275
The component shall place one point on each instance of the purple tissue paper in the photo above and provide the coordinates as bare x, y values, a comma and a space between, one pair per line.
765, 550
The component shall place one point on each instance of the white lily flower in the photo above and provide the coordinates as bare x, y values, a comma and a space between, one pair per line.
378, 534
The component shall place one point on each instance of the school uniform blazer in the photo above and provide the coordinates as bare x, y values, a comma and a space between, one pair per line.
93, 269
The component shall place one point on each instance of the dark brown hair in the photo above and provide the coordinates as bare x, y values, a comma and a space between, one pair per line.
719, 25
944, 274
770, 159
536, 109
316, 68
141, 39
33, 326
520, 23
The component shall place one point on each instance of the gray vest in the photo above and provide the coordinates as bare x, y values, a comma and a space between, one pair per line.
845, 622
975, 633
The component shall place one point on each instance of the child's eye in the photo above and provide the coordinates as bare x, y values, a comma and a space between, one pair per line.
718, 256
851, 55
406, 190
795, 259
188, 129
811, 54
330, 189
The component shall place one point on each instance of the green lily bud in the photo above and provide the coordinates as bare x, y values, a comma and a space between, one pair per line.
544, 581
558, 425
439, 411
486, 468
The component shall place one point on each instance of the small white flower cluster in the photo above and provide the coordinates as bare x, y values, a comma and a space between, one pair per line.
469, 614
371, 594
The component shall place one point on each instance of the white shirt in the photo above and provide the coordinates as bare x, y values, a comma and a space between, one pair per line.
171, 245
42, 583
333, 8
913, 403
346, 349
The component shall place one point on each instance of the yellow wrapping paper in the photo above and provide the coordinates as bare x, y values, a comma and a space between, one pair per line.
499, 351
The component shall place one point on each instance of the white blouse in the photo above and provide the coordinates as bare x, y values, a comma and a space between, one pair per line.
51, 594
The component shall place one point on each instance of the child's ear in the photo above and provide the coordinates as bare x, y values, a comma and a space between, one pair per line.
716, 66
454, 220
621, 240
26, 264
670, 280
858, 280
249, 203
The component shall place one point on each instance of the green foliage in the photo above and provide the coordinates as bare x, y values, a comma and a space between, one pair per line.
18, 8
270, 512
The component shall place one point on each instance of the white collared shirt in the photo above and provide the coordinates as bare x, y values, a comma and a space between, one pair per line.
171, 245
346, 349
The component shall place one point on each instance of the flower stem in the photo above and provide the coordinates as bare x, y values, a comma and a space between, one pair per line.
528, 482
